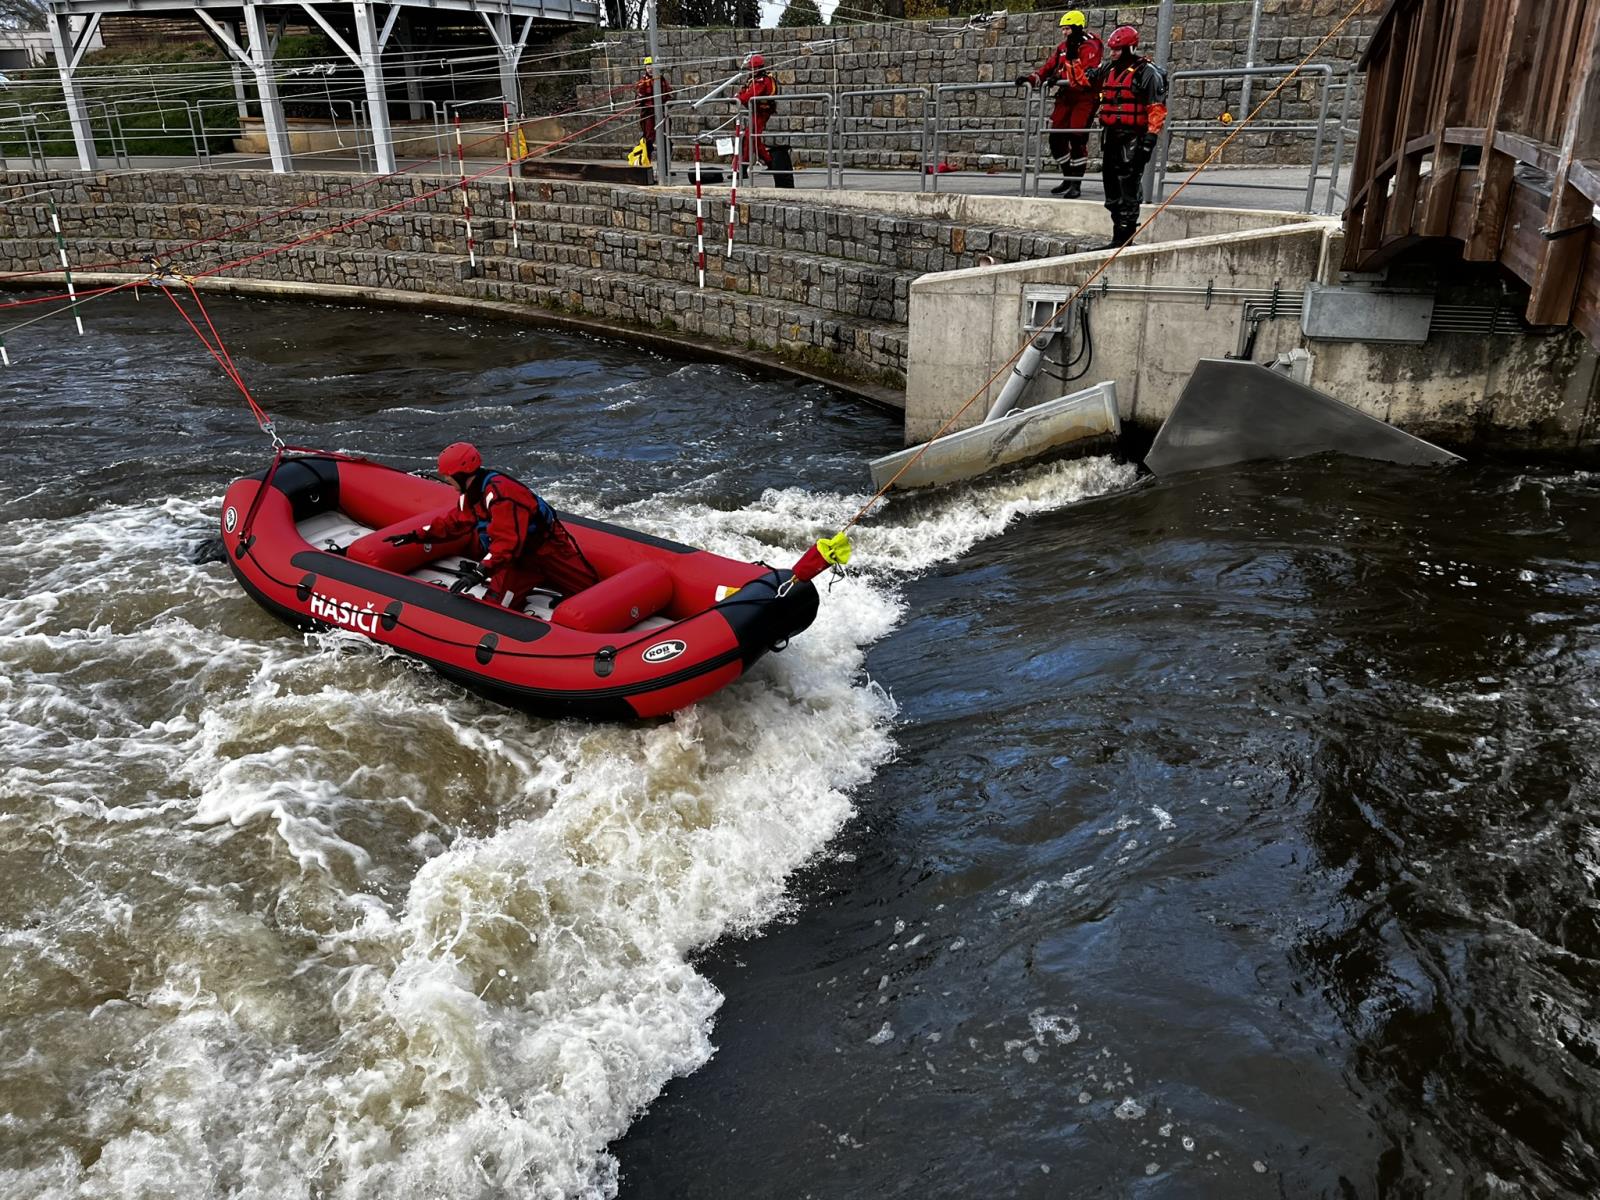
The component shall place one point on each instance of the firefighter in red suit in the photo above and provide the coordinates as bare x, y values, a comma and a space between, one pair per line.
1133, 110
644, 99
522, 545
1076, 96
759, 86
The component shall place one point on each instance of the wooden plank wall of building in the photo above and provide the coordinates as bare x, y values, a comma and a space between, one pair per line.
1482, 124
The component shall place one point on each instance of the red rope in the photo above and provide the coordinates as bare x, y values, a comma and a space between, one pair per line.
219, 352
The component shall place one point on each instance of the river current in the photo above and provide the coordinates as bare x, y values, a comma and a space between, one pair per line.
1236, 836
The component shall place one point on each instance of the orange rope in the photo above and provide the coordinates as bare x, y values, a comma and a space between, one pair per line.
1111, 258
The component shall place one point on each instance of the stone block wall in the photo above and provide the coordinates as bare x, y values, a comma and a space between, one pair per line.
826, 286
886, 130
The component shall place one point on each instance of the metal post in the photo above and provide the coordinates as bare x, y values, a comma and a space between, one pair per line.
1316, 148
509, 51
241, 98
267, 88
377, 94
66, 64
1338, 146
408, 67
660, 150
1163, 57
1250, 58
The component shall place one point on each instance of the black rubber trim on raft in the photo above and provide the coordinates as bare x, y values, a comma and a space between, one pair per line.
311, 484
418, 594
607, 703
633, 535
607, 708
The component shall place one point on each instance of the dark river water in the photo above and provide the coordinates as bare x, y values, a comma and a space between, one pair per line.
1230, 837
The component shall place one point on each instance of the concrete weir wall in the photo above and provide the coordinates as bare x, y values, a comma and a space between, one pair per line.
1162, 307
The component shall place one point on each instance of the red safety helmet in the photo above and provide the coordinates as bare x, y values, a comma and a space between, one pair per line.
756, 62
1122, 37
459, 458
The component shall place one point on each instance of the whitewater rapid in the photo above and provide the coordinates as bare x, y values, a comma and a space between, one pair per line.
316, 923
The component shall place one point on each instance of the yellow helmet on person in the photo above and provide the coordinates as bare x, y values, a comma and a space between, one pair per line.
1073, 17
649, 62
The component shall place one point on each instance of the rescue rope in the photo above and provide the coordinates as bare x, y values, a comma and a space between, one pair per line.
1101, 269
217, 349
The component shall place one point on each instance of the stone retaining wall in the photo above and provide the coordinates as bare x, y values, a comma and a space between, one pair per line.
845, 58
826, 286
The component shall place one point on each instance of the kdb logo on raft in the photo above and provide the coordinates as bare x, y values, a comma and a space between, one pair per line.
664, 652
342, 612
230, 518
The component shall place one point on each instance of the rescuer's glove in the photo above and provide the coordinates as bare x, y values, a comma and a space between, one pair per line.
1024, 80
1148, 143
469, 576
402, 539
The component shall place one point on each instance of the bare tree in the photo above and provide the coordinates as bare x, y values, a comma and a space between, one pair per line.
23, 14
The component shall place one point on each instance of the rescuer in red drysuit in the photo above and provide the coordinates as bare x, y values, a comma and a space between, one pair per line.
1133, 109
760, 85
1068, 66
644, 92
523, 544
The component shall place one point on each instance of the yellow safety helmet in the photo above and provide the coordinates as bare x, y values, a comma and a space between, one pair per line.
1073, 18
649, 62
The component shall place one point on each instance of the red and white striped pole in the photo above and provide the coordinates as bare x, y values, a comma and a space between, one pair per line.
733, 191
699, 218
511, 178
466, 200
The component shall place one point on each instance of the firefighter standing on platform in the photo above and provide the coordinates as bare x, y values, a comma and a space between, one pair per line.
1133, 108
644, 99
1069, 66
759, 86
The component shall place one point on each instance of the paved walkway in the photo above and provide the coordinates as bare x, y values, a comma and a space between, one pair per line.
1281, 189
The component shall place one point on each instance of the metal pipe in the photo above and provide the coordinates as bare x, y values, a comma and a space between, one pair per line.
1163, 61
1250, 59
719, 89
1022, 373
661, 149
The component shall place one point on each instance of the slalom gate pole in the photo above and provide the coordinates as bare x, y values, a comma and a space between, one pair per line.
466, 200
511, 178
699, 218
66, 269
733, 190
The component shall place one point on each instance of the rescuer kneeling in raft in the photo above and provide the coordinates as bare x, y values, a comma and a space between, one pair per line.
522, 544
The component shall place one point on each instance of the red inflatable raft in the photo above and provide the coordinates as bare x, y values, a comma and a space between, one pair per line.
666, 626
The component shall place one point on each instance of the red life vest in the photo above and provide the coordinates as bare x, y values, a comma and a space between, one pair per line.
759, 86
1121, 106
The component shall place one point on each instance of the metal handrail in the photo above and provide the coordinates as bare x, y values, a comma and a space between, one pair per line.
1027, 129
921, 130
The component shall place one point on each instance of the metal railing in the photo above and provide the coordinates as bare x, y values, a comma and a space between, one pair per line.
1317, 129
843, 136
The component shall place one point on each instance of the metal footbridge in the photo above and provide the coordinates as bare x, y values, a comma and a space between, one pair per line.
248, 33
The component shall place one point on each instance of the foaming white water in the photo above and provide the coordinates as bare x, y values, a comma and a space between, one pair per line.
307, 922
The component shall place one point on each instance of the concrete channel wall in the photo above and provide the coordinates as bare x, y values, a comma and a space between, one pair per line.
952, 51
1161, 308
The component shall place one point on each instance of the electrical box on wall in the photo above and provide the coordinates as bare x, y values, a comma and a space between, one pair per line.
1333, 313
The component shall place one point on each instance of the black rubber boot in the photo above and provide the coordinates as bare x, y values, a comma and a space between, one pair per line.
1068, 189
